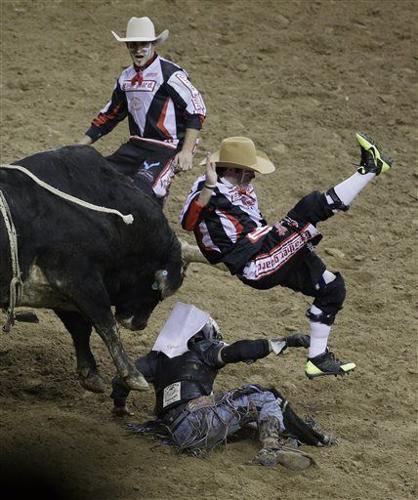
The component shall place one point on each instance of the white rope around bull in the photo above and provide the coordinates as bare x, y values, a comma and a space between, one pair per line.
127, 219
16, 283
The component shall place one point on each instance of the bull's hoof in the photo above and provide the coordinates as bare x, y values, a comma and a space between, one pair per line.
122, 411
93, 382
136, 382
27, 317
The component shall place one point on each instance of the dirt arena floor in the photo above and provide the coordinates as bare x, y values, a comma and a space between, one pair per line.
299, 77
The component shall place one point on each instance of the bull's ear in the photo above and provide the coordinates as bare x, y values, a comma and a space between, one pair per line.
161, 283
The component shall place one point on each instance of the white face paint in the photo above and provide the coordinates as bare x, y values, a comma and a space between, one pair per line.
141, 52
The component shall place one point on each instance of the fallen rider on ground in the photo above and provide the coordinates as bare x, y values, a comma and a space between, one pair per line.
183, 365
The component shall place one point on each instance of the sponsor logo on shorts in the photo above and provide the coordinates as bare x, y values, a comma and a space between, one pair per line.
280, 256
268, 263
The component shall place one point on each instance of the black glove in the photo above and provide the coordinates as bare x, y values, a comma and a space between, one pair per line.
298, 340
278, 346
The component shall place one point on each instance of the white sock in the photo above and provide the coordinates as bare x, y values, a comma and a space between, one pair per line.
351, 187
319, 335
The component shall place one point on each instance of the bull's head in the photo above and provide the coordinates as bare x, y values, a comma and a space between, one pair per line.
134, 310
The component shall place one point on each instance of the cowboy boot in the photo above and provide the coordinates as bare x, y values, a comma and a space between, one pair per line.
268, 431
273, 453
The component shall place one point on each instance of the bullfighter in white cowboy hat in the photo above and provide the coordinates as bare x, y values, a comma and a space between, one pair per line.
165, 113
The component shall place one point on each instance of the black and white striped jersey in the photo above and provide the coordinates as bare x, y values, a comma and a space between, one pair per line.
159, 101
230, 228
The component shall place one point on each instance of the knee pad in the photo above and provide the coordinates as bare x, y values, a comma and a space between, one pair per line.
330, 299
334, 202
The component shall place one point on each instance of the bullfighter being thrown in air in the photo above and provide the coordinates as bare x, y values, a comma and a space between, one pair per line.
222, 210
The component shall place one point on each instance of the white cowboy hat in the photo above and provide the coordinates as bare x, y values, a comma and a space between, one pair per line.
141, 29
240, 152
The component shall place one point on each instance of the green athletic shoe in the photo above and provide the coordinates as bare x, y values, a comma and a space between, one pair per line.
372, 160
327, 364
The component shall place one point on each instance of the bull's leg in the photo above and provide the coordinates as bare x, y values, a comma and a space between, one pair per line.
82, 284
105, 325
109, 333
80, 330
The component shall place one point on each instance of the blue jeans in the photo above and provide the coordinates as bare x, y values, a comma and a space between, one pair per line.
204, 428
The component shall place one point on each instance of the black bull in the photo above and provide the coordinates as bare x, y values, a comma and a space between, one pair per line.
79, 262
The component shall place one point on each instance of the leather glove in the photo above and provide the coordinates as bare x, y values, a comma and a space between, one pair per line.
279, 345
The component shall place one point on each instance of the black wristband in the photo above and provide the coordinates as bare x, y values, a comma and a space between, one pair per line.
207, 186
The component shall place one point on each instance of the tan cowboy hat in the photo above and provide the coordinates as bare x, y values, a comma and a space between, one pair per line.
240, 152
141, 29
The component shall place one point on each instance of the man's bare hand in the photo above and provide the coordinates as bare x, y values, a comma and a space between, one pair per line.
210, 172
183, 161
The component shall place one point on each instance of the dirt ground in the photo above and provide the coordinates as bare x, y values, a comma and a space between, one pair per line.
299, 77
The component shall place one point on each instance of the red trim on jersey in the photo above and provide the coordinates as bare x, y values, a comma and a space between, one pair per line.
160, 123
103, 118
238, 226
192, 217
166, 168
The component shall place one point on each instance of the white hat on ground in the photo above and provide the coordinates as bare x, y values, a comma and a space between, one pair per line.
184, 321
